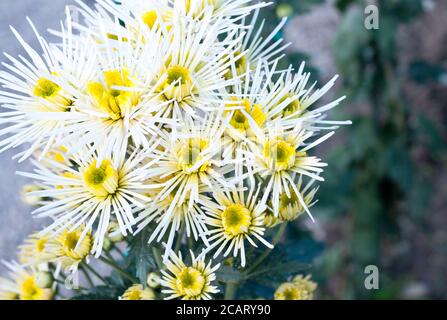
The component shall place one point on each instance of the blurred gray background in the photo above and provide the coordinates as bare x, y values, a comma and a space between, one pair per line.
15, 219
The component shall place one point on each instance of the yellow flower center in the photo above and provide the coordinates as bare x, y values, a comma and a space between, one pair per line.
103, 180
236, 220
178, 84
240, 122
137, 292
69, 240
292, 107
280, 153
150, 18
190, 282
288, 291
46, 88
178, 74
29, 289
116, 103
285, 201
40, 244
190, 152
240, 64
52, 92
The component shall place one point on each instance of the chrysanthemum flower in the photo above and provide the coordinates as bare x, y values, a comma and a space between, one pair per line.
70, 248
121, 99
299, 289
35, 250
306, 284
137, 292
256, 48
183, 217
192, 75
235, 217
91, 192
25, 195
233, 10
290, 207
280, 157
188, 282
259, 106
301, 98
39, 100
26, 284
188, 159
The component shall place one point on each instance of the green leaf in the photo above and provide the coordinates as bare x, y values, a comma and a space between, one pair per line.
229, 274
140, 256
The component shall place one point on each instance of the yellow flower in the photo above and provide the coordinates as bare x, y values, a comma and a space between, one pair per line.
189, 152
29, 290
239, 120
270, 220
234, 219
137, 292
280, 154
115, 102
178, 84
35, 250
28, 199
188, 282
299, 289
288, 291
290, 207
52, 92
25, 284
305, 284
67, 250
103, 180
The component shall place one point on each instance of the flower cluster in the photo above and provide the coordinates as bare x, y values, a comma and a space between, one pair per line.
171, 117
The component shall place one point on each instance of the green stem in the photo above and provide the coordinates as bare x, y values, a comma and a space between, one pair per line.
180, 237
87, 276
95, 273
115, 266
275, 241
157, 255
230, 290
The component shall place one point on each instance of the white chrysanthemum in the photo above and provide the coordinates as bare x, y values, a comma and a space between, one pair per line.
26, 284
134, 14
290, 207
257, 48
259, 106
91, 192
188, 282
120, 99
279, 157
232, 10
192, 76
234, 218
301, 98
39, 95
183, 217
188, 164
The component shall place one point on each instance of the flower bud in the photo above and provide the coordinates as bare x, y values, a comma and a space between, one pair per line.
153, 280
44, 279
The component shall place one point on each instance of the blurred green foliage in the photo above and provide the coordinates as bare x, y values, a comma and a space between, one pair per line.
373, 177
